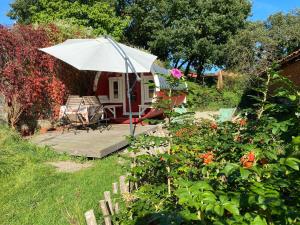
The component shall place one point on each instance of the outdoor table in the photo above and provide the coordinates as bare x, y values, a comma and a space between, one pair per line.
84, 111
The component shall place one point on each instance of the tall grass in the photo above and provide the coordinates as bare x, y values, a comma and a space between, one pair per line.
15, 152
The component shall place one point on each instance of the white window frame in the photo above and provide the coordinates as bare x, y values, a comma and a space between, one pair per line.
120, 89
145, 89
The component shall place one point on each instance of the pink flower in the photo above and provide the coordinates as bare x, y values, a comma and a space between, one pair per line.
176, 73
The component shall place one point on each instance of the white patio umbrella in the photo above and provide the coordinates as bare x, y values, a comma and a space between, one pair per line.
104, 54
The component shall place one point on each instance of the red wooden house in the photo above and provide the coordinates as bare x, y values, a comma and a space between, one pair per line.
111, 89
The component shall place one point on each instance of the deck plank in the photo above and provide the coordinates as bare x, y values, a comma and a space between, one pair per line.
90, 144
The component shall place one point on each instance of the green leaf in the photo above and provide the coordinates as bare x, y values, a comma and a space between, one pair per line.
296, 140
208, 196
229, 168
275, 130
186, 214
244, 173
223, 198
293, 163
219, 210
232, 208
259, 221
202, 185
293, 97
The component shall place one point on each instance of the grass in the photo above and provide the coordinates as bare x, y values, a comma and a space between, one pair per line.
33, 192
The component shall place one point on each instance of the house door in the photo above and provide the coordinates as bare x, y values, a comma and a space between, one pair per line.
135, 95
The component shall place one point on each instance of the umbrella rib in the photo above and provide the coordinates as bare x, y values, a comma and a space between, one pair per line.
123, 54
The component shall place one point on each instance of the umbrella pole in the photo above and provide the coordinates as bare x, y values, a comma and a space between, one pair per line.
129, 98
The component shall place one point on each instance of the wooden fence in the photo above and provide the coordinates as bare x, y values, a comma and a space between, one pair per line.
109, 206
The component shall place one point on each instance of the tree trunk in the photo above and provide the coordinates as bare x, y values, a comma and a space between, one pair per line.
176, 63
187, 69
200, 70
184, 62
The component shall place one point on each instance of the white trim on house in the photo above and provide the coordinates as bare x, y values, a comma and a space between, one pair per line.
145, 89
156, 81
124, 92
120, 95
142, 89
96, 80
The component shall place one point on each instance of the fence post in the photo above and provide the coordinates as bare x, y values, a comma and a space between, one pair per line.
123, 186
90, 217
117, 208
115, 188
109, 202
105, 212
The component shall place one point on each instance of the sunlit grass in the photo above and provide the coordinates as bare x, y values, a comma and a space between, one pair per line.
33, 192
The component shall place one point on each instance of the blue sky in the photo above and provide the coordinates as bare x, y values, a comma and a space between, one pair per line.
261, 8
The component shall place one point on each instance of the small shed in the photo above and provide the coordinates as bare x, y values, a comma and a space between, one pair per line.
111, 89
290, 67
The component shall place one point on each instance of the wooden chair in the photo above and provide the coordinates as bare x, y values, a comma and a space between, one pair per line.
72, 116
98, 116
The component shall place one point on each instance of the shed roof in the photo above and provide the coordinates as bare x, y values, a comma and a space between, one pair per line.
290, 58
162, 82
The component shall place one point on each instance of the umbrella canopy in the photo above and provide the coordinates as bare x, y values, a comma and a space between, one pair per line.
101, 54
104, 54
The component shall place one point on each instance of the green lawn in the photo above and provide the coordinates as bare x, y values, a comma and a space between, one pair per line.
34, 193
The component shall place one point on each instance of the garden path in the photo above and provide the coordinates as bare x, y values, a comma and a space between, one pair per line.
70, 166
208, 115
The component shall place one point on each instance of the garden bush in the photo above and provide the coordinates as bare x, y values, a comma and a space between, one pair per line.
202, 97
242, 172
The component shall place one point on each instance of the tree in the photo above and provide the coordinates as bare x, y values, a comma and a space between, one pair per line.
99, 15
188, 33
256, 47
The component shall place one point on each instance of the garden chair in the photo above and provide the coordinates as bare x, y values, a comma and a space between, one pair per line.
72, 116
226, 114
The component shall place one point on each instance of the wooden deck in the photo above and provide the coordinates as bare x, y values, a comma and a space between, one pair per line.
90, 144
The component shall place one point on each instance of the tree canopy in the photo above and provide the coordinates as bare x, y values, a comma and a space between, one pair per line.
263, 42
195, 34
99, 15
186, 32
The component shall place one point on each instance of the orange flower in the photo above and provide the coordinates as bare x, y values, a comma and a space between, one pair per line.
248, 160
207, 157
213, 126
247, 164
243, 122
251, 157
181, 132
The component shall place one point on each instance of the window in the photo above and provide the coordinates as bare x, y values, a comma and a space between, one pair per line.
115, 89
149, 89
